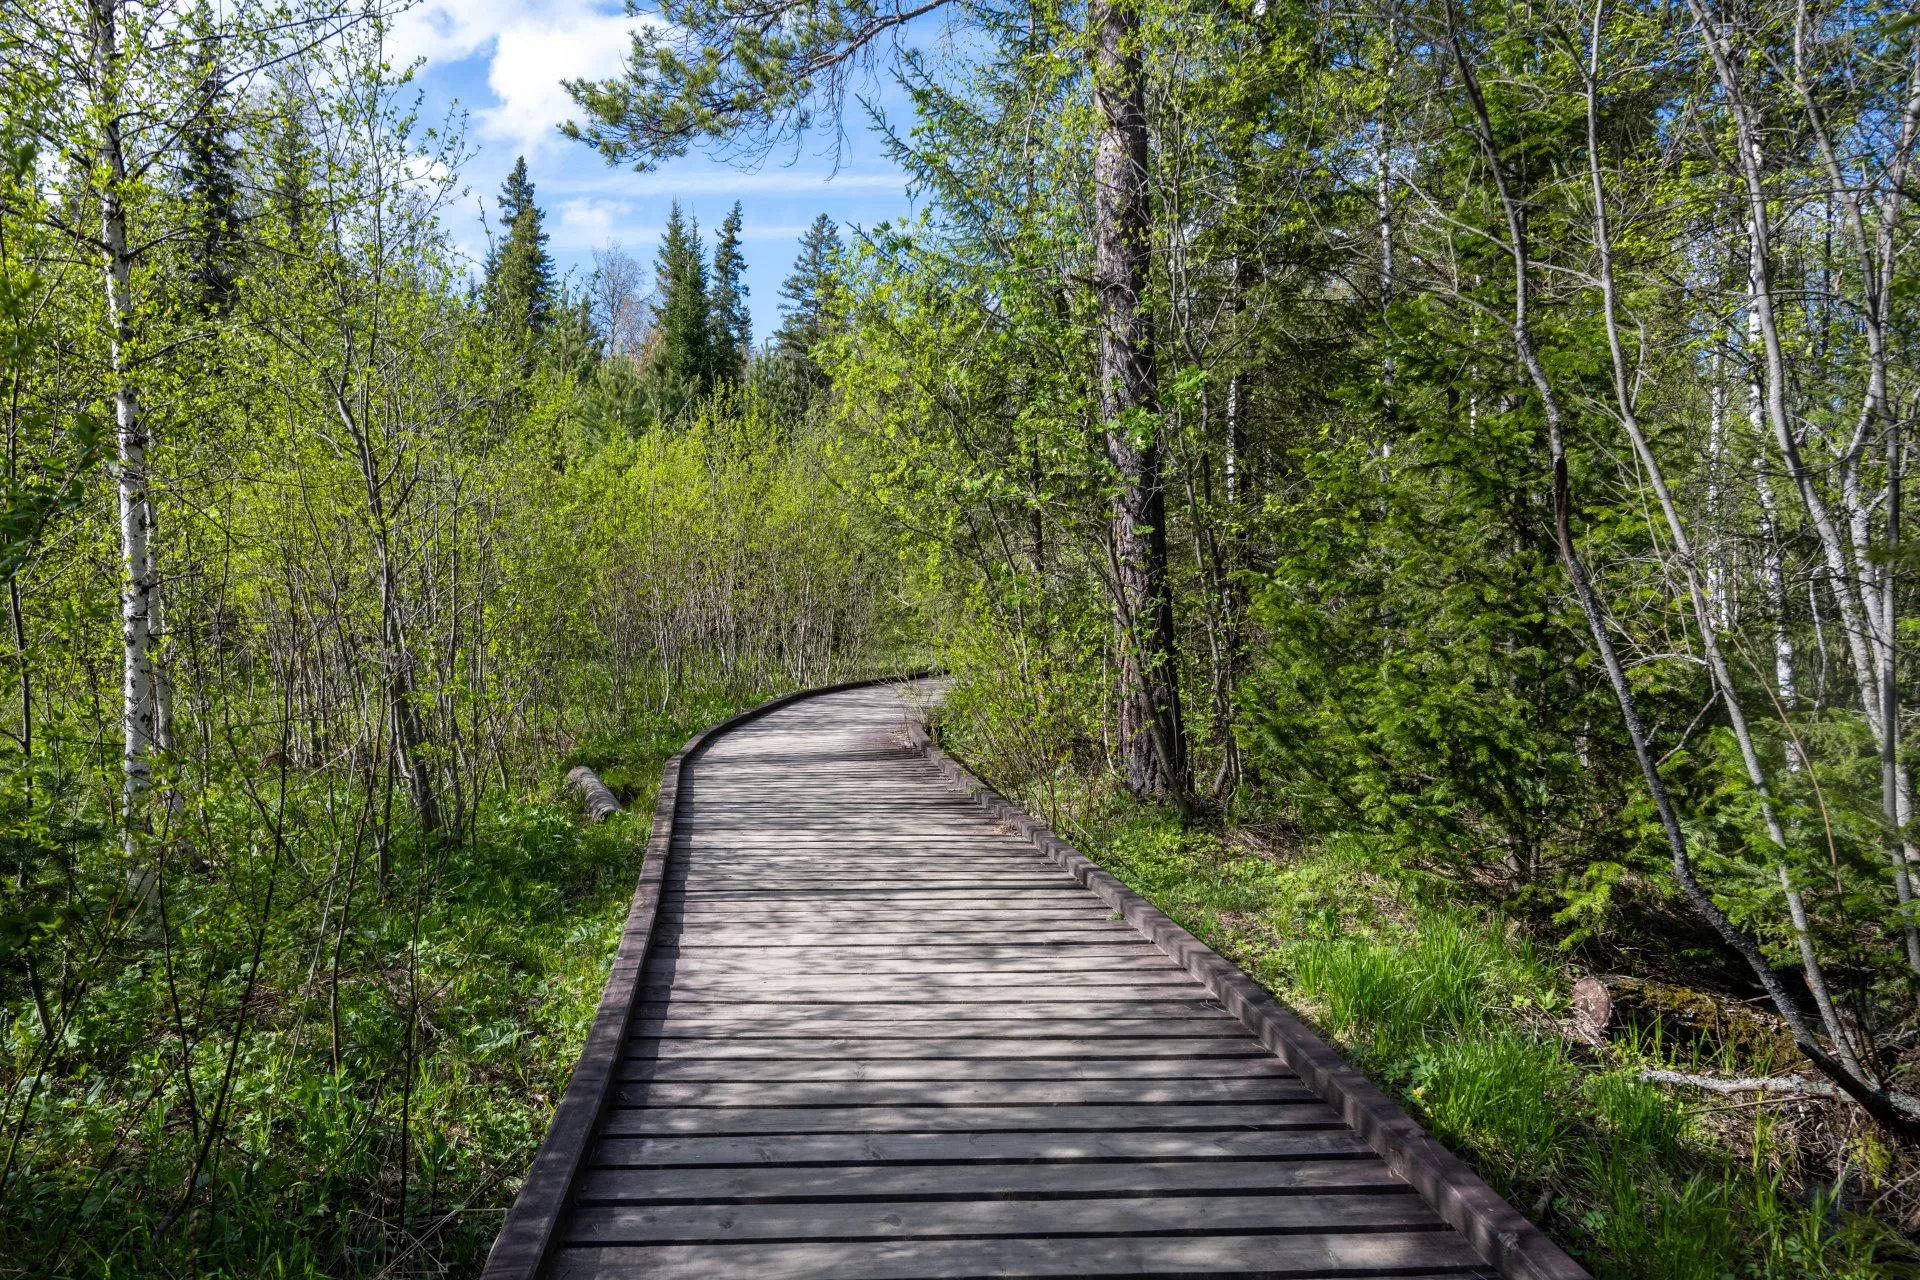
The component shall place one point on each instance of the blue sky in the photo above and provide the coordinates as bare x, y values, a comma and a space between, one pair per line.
501, 61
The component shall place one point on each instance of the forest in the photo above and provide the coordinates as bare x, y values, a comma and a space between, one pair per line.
1413, 487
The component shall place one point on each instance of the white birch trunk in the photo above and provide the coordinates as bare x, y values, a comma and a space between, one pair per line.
1716, 460
139, 706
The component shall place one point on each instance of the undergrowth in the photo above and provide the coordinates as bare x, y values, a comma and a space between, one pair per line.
353, 1139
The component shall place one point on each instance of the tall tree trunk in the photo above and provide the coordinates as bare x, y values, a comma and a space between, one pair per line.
1869, 639
139, 709
1152, 737
1703, 608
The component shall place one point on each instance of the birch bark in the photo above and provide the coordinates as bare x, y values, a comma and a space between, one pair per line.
139, 704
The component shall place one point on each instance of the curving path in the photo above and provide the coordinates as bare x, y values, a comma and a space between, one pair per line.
876, 1034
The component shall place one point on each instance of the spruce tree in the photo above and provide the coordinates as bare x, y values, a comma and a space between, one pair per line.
288, 149
731, 324
683, 364
810, 293
211, 185
520, 279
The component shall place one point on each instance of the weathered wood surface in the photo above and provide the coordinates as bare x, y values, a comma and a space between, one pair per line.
878, 1035
599, 799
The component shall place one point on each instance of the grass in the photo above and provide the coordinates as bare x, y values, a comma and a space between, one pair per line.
394, 1154
1454, 1011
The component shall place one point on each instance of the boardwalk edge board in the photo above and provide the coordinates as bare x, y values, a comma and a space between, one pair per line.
1501, 1234
533, 1223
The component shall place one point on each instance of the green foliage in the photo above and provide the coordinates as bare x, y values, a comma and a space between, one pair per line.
683, 362
493, 953
811, 292
211, 180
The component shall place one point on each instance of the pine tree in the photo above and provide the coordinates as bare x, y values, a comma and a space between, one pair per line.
683, 365
731, 324
211, 185
520, 279
811, 292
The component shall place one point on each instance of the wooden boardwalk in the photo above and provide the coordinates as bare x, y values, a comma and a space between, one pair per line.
876, 1035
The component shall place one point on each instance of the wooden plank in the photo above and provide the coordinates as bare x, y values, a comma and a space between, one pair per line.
919, 931
1041, 950
1411, 1255
914, 854
1007, 1150
924, 1219
959, 1093
945, 892
820, 1184
776, 1012
768, 963
931, 917
769, 939
742, 1070
678, 1024
642, 1121
918, 862
937, 985
1139, 1051
1036, 889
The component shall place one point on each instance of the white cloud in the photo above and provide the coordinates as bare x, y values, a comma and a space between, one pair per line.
588, 224
449, 30
530, 47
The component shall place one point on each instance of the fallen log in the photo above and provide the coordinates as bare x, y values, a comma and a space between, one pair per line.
1606, 1004
601, 802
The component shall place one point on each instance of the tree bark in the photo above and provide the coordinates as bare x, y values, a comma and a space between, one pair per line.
1151, 734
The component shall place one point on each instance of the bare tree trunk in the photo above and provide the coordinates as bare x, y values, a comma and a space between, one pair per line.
1858, 609
139, 705
1871, 1098
1696, 589
1152, 736
1773, 574
1716, 570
